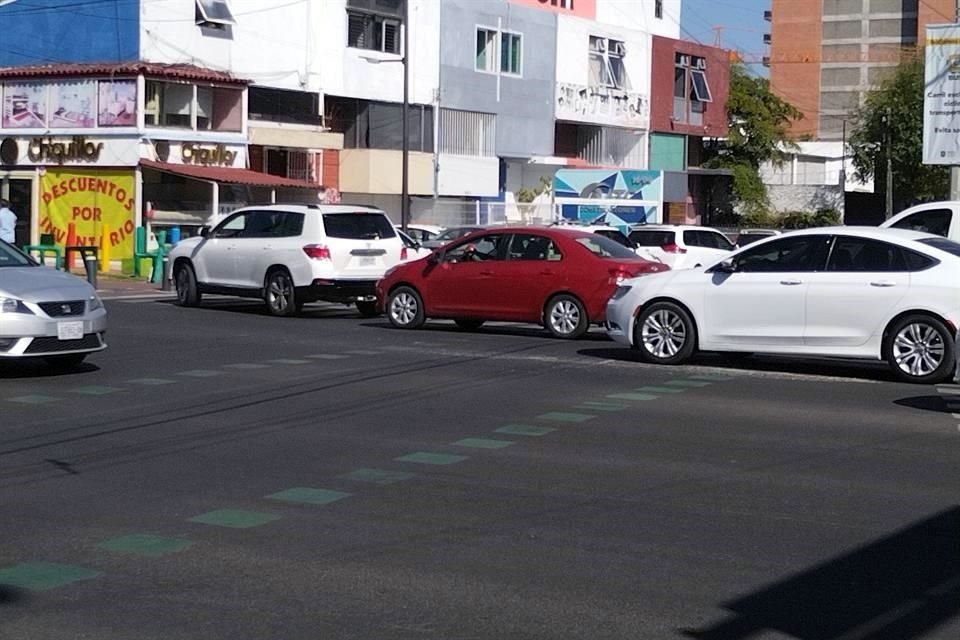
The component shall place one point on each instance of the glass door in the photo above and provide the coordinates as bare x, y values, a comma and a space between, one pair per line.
19, 191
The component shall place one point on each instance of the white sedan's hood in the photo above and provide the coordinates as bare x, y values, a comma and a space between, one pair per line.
41, 284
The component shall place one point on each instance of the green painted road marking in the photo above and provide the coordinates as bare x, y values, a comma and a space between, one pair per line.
246, 366
711, 377
660, 390
235, 518
633, 396
33, 399
94, 390
41, 576
151, 382
596, 403
524, 430
327, 356
308, 495
363, 352
200, 373
288, 361
594, 407
145, 544
377, 476
696, 384
483, 443
561, 416
422, 457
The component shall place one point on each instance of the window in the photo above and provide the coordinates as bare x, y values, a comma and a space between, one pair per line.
606, 63
860, 254
701, 90
658, 9
358, 226
486, 247
168, 104
379, 125
232, 227
706, 239
798, 254
214, 13
943, 245
468, 133
373, 32
616, 236
525, 246
690, 80
277, 105
486, 50
652, 238
605, 247
935, 221
511, 53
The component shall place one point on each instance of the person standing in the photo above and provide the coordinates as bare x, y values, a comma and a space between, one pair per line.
8, 222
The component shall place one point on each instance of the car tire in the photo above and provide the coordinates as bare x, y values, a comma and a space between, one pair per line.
405, 308
469, 325
665, 334
188, 293
279, 294
367, 309
565, 317
920, 349
65, 362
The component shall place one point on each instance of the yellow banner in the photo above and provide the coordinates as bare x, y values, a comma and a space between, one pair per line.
89, 208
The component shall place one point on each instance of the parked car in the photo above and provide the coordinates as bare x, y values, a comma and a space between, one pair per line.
939, 218
290, 255
853, 292
748, 236
46, 313
560, 278
412, 250
422, 232
449, 235
681, 246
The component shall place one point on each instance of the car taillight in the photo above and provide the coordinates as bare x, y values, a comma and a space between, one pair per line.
317, 252
403, 253
617, 276
673, 248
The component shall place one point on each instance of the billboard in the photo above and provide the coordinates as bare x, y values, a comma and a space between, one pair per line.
941, 98
618, 198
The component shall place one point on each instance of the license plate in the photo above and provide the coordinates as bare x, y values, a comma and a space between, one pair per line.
70, 330
367, 262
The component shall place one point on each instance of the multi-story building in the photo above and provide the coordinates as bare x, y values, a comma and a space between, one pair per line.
825, 54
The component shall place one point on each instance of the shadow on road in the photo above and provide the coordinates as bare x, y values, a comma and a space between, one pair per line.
896, 588
512, 329
30, 368
930, 403
11, 595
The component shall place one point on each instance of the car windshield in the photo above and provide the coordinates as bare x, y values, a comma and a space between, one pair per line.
10, 256
358, 226
605, 247
943, 244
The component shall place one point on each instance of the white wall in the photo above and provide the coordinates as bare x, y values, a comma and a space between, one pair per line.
639, 15
468, 176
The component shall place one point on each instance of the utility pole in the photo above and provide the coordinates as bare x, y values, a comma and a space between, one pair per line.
955, 171
888, 143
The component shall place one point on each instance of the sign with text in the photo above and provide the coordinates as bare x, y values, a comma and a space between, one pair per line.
941, 98
579, 8
89, 208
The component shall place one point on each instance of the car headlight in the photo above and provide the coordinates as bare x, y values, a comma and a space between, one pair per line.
12, 305
94, 302
620, 291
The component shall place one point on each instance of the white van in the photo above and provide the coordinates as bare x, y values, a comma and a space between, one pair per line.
940, 218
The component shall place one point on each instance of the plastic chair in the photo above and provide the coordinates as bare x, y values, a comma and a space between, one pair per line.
140, 252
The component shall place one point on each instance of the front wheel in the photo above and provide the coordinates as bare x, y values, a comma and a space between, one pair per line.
565, 317
188, 293
665, 334
920, 349
279, 294
405, 308
367, 309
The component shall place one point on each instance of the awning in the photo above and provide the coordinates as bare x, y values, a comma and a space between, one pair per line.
229, 175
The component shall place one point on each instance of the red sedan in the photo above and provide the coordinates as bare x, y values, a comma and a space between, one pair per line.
560, 278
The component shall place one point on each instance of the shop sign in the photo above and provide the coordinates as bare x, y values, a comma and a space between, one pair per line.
90, 208
77, 149
207, 156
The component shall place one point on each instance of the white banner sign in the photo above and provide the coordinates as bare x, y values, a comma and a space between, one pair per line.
941, 101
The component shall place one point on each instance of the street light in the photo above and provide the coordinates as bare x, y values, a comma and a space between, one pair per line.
405, 158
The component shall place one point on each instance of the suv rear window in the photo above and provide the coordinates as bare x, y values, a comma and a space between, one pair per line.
652, 238
358, 226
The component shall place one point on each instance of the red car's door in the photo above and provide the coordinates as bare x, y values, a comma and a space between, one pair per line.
466, 282
533, 269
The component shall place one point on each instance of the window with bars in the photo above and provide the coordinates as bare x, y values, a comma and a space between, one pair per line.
606, 63
373, 32
468, 133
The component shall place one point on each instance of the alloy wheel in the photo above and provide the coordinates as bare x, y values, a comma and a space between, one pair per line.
564, 317
279, 293
663, 334
403, 308
918, 349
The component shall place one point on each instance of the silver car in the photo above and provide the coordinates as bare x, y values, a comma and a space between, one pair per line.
46, 313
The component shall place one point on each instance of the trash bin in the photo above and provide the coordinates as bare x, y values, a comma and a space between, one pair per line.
90, 264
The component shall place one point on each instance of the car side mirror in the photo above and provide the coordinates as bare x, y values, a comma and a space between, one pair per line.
727, 266
205, 232
435, 258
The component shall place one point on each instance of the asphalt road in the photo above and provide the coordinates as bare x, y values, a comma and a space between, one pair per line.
217, 473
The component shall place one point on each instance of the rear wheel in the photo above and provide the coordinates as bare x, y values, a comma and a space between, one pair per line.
665, 334
405, 308
65, 362
279, 294
469, 325
565, 317
920, 349
188, 294
367, 309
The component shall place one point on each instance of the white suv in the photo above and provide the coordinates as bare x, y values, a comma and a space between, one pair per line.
681, 246
290, 255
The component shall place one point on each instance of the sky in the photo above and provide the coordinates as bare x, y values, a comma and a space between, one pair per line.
742, 22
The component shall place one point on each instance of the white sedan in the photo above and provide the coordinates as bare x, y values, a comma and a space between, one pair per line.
850, 292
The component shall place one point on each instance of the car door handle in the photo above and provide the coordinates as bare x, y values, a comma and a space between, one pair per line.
883, 283
791, 282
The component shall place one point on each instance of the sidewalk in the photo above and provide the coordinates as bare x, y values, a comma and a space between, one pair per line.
112, 286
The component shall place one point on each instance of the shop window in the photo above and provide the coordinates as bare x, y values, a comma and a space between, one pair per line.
606, 63
173, 105
168, 105
214, 14
219, 109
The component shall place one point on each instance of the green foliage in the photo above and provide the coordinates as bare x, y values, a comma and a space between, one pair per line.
808, 219
525, 195
893, 112
749, 189
760, 217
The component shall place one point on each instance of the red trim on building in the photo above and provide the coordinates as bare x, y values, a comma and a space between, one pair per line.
330, 174
124, 69
229, 175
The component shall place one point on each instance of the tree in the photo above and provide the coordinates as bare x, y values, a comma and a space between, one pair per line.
757, 122
892, 114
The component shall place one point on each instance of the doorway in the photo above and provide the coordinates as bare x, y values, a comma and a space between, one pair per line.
19, 191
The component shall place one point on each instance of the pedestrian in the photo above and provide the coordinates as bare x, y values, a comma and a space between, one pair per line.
8, 222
